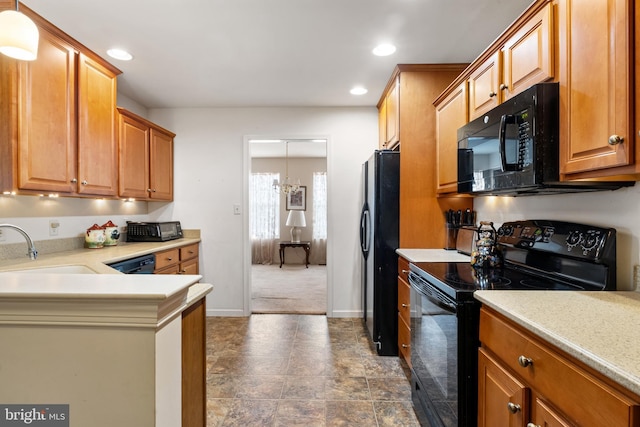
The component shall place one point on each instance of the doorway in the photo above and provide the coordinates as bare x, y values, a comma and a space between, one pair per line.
287, 184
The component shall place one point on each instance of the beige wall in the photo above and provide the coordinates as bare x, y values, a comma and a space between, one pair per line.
299, 168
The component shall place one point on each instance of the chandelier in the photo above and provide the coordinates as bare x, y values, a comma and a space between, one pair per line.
286, 186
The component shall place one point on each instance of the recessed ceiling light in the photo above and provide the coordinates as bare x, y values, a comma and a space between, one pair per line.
358, 90
120, 54
384, 49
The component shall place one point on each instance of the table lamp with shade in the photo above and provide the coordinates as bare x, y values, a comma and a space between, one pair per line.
295, 220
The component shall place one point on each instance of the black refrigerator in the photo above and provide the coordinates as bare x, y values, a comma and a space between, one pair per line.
379, 235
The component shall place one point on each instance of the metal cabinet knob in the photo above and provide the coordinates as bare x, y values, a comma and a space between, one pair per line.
84, 182
615, 140
532, 425
405, 305
405, 346
524, 361
503, 86
148, 190
406, 271
492, 94
74, 180
514, 408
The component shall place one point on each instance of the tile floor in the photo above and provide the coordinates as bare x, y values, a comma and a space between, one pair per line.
301, 370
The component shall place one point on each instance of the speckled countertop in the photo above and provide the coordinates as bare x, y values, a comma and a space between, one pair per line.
94, 259
432, 255
601, 329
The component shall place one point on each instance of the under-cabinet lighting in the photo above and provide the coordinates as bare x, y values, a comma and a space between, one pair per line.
129, 200
9, 193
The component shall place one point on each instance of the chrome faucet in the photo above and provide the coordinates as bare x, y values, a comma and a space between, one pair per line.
33, 253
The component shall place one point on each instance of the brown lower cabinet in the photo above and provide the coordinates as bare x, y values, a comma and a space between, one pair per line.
404, 311
194, 398
525, 381
181, 260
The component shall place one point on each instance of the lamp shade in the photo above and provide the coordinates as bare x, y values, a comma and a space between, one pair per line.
18, 36
296, 219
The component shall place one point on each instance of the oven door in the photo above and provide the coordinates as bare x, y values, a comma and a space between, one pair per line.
443, 357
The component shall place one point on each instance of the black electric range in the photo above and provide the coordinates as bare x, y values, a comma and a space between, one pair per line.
538, 255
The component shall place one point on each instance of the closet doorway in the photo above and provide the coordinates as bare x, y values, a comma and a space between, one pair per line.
288, 225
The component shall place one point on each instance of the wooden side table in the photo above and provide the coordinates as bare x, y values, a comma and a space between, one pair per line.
304, 245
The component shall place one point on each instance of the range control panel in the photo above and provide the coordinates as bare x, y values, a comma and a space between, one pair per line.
558, 237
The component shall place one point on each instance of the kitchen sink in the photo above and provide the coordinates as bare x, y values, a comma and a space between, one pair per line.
58, 269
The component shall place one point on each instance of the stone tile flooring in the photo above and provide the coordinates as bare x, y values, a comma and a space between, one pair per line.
301, 370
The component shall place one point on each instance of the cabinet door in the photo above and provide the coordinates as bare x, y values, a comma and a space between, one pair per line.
47, 117
194, 387
393, 115
382, 124
528, 55
450, 115
133, 158
483, 86
544, 415
189, 267
97, 144
595, 84
161, 166
502, 399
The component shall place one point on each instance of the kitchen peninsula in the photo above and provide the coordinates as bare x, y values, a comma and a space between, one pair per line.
112, 346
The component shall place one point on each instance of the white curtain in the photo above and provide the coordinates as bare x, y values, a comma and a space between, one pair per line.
264, 214
319, 244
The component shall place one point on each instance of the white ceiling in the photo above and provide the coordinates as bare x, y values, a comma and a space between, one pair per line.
233, 53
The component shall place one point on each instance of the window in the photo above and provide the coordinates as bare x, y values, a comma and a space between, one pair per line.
319, 205
264, 206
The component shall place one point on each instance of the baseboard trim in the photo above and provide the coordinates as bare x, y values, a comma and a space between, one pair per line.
346, 314
224, 313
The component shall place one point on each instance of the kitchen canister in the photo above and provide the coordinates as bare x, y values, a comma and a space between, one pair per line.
111, 233
95, 237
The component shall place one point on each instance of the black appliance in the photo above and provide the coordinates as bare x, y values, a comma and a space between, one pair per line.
153, 231
514, 149
379, 235
144, 264
538, 255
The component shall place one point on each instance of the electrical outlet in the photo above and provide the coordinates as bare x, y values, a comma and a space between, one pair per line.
54, 225
236, 209
2, 236
636, 276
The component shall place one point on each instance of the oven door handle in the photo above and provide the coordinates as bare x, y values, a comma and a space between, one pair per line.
425, 290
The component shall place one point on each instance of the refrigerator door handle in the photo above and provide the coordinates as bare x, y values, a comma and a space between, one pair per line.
365, 238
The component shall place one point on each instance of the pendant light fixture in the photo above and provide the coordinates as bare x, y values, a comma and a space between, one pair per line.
286, 186
18, 35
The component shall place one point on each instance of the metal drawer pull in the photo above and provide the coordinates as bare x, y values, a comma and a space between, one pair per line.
513, 407
532, 425
405, 305
524, 361
405, 346
405, 271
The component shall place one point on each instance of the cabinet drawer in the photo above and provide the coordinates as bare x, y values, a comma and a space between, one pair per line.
167, 258
189, 267
404, 308
188, 252
403, 269
404, 340
586, 398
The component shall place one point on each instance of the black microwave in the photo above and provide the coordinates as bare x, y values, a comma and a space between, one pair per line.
153, 231
514, 149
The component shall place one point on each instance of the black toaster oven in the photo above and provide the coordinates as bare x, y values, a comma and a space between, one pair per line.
153, 231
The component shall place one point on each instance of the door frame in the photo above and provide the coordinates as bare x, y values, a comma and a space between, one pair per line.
246, 239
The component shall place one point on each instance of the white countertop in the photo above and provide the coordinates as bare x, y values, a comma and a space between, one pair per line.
60, 297
597, 328
95, 259
432, 255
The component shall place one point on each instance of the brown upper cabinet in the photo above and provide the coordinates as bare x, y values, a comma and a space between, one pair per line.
59, 111
596, 75
389, 117
145, 158
414, 87
589, 51
524, 59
